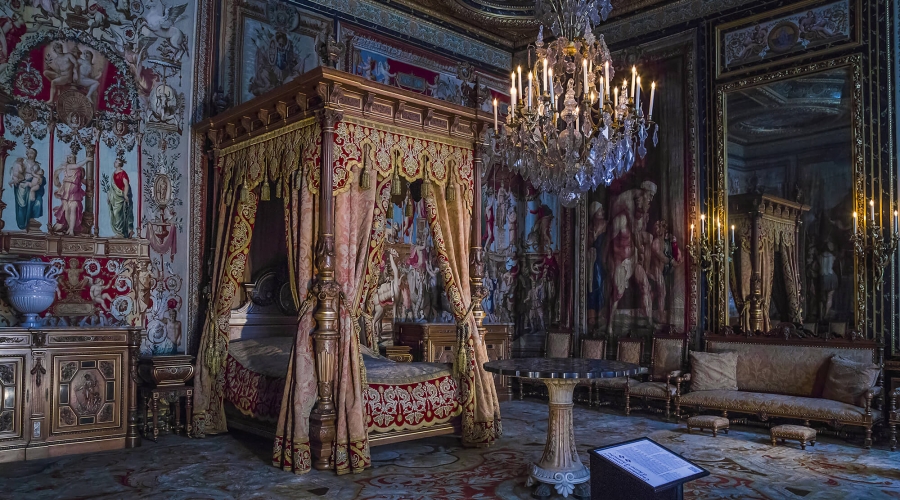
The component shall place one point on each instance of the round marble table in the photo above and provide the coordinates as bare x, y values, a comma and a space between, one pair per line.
560, 467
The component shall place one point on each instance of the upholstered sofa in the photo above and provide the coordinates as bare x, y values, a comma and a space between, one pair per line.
785, 377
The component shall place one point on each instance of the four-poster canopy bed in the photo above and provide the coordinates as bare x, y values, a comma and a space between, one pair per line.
332, 146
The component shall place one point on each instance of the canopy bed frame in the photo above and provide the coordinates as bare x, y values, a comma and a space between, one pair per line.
322, 135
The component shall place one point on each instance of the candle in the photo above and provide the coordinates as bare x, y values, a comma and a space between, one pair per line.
529, 90
637, 94
633, 76
896, 223
732, 234
495, 115
606, 74
521, 95
545, 74
718, 230
584, 66
512, 99
577, 117
872, 209
512, 77
692, 233
652, 95
600, 89
616, 102
855, 217
702, 225
552, 91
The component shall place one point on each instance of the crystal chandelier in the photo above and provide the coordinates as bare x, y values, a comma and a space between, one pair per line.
570, 128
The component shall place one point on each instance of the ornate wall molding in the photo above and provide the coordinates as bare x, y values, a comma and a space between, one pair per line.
669, 15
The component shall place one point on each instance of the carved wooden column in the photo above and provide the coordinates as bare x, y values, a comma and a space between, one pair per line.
326, 337
476, 251
132, 436
756, 305
5, 148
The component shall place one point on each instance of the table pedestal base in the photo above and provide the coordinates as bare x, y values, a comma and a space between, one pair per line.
560, 467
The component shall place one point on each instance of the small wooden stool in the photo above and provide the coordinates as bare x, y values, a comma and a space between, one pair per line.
798, 432
708, 422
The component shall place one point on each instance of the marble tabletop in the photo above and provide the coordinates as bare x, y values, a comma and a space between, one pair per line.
562, 368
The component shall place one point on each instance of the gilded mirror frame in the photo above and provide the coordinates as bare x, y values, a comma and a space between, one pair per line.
718, 185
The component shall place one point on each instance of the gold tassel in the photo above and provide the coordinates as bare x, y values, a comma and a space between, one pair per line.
396, 188
450, 192
278, 186
245, 194
365, 181
409, 208
424, 189
265, 192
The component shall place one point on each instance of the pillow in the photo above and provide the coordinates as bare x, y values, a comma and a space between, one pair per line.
711, 371
849, 380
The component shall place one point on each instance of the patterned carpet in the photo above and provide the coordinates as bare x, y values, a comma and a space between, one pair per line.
743, 465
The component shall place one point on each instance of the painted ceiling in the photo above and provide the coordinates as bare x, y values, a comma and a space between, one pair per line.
509, 23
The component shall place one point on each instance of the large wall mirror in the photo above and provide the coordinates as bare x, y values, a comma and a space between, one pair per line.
787, 188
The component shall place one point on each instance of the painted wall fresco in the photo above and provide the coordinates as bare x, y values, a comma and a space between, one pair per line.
97, 133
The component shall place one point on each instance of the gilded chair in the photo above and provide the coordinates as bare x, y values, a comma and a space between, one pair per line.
667, 357
629, 350
592, 349
556, 345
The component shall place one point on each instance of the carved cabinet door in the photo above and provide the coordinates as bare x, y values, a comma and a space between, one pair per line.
86, 393
12, 398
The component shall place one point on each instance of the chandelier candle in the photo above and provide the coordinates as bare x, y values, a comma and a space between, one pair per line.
637, 95
529, 90
495, 115
652, 95
633, 76
522, 96
606, 75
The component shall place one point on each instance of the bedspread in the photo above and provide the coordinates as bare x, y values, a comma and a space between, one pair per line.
398, 396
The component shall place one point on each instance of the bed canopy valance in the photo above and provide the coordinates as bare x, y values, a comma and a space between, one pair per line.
333, 147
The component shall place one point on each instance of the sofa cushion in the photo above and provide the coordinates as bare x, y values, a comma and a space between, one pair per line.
778, 405
652, 390
713, 371
848, 380
785, 369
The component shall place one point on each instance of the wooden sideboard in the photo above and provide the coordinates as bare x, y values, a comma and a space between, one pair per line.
67, 390
436, 343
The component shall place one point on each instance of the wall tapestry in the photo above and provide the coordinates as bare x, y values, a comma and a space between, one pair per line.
522, 245
786, 34
394, 63
635, 268
277, 42
94, 145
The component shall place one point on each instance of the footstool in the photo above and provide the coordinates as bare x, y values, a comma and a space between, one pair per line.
708, 422
799, 432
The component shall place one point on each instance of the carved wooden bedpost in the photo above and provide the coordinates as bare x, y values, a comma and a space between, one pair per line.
325, 337
132, 436
476, 253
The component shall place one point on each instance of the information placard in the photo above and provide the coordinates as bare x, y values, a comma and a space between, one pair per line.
651, 463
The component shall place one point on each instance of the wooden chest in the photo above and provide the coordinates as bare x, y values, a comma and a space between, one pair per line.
67, 390
436, 343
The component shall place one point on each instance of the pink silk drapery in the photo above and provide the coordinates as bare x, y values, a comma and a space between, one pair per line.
450, 223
